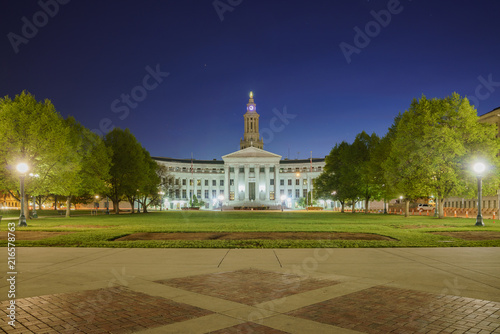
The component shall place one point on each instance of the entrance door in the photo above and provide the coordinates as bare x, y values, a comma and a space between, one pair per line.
251, 191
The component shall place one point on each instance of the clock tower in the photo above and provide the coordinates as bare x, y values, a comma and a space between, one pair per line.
251, 137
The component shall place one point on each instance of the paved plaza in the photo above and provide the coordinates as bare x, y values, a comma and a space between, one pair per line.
409, 290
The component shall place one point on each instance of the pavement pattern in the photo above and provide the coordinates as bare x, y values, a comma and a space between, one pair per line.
448, 290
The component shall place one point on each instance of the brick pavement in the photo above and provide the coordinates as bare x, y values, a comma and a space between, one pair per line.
248, 286
383, 309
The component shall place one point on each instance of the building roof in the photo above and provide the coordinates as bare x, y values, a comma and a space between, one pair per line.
251, 152
214, 161
301, 161
493, 112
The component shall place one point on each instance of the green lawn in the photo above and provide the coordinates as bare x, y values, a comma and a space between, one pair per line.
101, 230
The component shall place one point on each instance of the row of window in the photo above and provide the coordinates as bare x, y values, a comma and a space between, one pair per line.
242, 169
182, 194
231, 182
487, 204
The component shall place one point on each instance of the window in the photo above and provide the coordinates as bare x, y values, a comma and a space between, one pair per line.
282, 193
271, 182
231, 182
177, 193
290, 193
304, 182
304, 193
231, 169
289, 182
262, 170
271, 169
206, 183
297, 193
221, 183
198, 182
190, 182
297, 182
221, 193
282, 182
184, 169
184, 193
214, 183
206, 193
198, 193
183, 182
252, 170
231, 195
271, 195
176, 182
242, 169
214, 193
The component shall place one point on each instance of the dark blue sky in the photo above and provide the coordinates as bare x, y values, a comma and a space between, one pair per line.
90, 54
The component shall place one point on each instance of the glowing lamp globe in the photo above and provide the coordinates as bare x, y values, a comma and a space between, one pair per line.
479, 167
22, 168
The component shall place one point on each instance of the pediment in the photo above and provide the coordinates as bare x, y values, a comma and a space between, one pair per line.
251, 152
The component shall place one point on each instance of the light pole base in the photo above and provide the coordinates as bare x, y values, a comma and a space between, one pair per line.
479, 221
22, 221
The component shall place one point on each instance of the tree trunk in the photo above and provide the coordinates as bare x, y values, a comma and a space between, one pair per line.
68, 206
366, 205
342, 207
353, 207
55, 202
440, 207
116, 207
26, 207
132, 203
407, 208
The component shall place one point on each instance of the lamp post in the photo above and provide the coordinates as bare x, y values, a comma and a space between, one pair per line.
221, 199
479, 168
22, 168
34, 215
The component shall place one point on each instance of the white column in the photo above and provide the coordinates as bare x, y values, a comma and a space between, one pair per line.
257, 182
236, 185
247, 171
226, 183
267, 185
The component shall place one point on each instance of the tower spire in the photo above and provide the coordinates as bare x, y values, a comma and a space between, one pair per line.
251, 136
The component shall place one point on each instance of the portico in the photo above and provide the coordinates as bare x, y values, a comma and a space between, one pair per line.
251, 174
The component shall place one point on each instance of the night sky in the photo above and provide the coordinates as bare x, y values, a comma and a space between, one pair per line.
88, 56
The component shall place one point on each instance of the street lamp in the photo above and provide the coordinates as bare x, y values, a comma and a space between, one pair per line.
221, 198
22, 168
479, 168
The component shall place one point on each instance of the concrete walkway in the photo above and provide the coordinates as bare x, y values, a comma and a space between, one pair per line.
409, 290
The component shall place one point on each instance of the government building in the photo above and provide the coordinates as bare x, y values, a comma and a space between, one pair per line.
248, 178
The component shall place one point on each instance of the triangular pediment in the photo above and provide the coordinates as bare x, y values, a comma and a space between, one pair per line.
251, 152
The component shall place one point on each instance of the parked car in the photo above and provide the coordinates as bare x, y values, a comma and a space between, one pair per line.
425, 207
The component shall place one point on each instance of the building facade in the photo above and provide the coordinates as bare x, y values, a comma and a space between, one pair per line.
248, 178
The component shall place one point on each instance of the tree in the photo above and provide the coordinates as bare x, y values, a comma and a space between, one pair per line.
435, 143
369, 187
90, 164
127, 167
149, 190
34, 133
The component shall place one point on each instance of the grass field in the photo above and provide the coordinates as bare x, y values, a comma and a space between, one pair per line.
102, 230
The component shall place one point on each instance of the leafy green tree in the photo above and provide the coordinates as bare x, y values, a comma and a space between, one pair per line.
149, 190
33, 132
90, 164
369, 187
127, 167
435, 144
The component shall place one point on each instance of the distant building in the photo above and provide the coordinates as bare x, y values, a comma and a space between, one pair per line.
250, 177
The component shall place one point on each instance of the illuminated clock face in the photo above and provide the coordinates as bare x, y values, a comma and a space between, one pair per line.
250, 108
